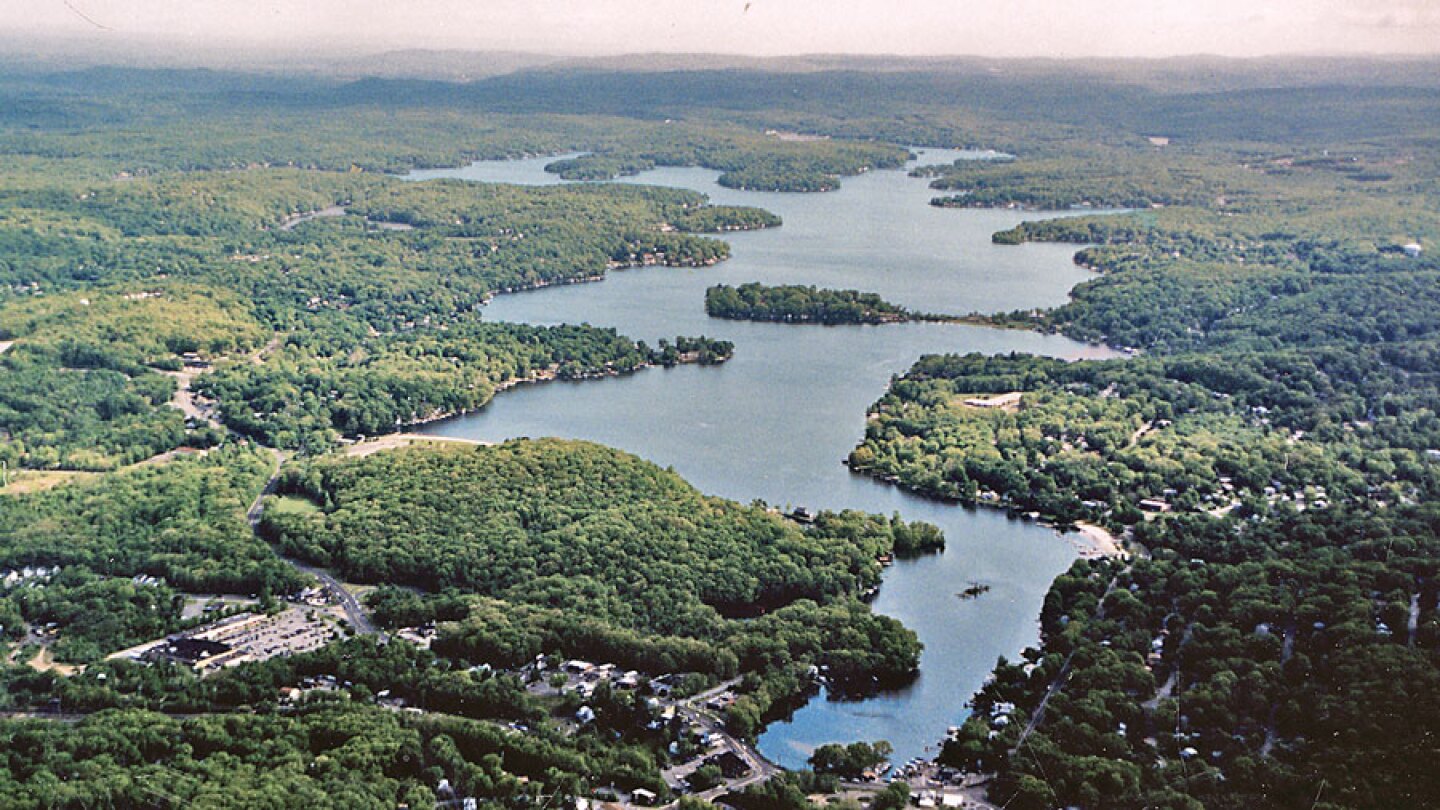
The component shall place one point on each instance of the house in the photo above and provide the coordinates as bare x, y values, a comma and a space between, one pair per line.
730, 764
1154, 505
643, 797
1413, 250
195, 652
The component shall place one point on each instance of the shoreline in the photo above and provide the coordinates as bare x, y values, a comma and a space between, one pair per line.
1089, 539
1097, 542
544, 376
393, 441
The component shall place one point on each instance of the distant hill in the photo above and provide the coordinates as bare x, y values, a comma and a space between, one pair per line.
458, 66
939, 101
1184, 74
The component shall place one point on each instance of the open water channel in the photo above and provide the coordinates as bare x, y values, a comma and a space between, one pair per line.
775, 421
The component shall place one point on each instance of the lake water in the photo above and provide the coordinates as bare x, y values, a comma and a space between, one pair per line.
775, 421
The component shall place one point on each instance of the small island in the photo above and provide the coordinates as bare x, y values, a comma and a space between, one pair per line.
592, 167
702, 350
805, 304
724, 218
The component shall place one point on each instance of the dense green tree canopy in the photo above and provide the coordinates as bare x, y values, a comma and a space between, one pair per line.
594, 552
797, 304
1276, 648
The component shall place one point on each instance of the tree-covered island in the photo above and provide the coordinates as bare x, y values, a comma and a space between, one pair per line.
804, 304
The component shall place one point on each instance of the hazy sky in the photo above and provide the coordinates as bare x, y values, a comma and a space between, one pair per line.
761, 27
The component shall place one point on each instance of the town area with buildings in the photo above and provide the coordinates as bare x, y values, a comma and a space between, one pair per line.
705, 759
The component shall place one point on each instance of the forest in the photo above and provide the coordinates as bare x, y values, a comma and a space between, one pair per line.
372, 328
573, 547
778, 168
309, 393
1268, 440
291, 298
119, 550
182, 521
1267, 449
330, 754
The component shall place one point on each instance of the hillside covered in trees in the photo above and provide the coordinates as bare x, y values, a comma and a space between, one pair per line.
582, 549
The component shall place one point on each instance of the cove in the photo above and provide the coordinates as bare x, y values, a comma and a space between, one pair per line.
775, 421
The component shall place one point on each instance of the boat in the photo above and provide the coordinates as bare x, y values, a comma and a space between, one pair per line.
974, 590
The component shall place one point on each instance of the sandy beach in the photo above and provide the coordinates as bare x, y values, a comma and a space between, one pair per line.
1095, 541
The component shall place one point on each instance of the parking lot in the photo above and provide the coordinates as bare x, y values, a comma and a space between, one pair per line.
260, 637
240, 638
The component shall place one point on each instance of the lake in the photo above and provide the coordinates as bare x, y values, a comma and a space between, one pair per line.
775, 421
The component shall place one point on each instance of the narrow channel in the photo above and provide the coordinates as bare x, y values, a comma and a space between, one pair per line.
775, 421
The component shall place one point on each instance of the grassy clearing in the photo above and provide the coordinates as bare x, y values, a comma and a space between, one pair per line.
28, 481
293, 505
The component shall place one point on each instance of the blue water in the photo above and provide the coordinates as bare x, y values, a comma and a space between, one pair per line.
775, 421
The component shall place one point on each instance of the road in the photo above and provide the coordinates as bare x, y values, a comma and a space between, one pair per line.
354, 613
691, 710
1287, 648
75, 717
1062, 676
40, 714
760, 767
697, 699
291, 221
1412, 624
